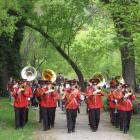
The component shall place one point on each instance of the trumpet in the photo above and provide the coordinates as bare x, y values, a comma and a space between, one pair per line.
22, 88
127, 93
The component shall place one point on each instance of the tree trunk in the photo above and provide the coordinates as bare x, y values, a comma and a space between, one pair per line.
4, 43
62, 52
127, 50
128, 66
4, 79
11, 63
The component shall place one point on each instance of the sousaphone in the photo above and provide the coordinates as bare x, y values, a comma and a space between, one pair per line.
101, 78
49, 75
119, 80
29, 73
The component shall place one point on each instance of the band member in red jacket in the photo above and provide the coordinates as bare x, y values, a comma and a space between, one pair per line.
95, 104
71, 98
20, 94
30, 95
125, 107
88, 91
10, 85
48, 104
38, 92
112, 98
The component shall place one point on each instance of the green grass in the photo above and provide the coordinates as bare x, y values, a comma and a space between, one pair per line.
7, 131
135, 126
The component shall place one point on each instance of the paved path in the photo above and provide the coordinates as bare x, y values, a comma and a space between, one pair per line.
105, 131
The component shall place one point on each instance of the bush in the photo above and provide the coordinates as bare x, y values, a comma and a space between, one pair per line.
135, 107
105, 104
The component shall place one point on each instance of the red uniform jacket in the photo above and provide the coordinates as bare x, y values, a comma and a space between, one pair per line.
126, 105
48, 99
39, 91
20, 99
30, 94
112, 96
88, 91
72, 97
95, 101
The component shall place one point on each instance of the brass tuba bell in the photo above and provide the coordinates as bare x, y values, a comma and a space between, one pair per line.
49, 75
29, 73
101, 79
119, 80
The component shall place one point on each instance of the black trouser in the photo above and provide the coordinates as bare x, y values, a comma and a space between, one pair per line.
34, 101
62, 104
59, 103
53, 109
19, 117
89, 116
125, 117
114, 116
40, 114
26, 114
48, 114
71, 119
94, 118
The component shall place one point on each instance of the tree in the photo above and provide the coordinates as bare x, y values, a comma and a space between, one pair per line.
11, 36
124, 22
60, 31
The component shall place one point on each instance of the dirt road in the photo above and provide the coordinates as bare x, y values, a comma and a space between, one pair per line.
83, 132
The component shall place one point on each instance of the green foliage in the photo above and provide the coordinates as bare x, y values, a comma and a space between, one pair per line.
135, 127
105, 104
84, 29
137, 54
135, 107
6, 22
93, 49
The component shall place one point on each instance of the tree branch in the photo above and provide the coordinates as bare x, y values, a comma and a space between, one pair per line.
61, 51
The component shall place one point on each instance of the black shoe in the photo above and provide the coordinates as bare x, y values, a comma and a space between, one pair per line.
52, 126
113, 123
17, 128
69, 131
94, 130
73, 130
125, 131
44, 129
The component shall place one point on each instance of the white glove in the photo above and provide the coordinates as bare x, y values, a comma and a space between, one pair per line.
130, 93
95, 92
82, 97
51, 90
116, 101
125, 96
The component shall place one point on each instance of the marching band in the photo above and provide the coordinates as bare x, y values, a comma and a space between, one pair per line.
48, 92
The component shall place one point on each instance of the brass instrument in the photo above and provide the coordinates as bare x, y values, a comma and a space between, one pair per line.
49, 75
119, 80
101, 78
21, 89
128, 92
29, 73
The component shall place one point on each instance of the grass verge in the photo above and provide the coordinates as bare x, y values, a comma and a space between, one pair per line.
7, 131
